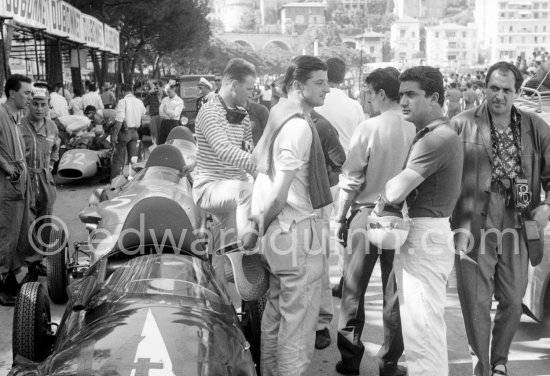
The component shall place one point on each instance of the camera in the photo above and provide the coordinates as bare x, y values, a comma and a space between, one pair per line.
522, 194
236, 115
233, 115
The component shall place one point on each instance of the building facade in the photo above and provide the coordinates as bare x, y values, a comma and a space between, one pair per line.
511, 28
302, 14
451, 45
405, 38
421, 9
371, 44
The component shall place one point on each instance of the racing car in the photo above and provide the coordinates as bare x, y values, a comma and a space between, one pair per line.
83, 152
144, 299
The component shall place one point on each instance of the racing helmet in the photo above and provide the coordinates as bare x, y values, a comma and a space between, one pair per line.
388, 229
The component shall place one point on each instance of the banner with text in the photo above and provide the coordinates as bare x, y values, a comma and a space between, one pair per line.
61, 19
112, 40
92, 30
65, 21
32, 13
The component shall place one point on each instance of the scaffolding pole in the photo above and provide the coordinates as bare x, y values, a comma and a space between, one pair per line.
36, 56
4, 56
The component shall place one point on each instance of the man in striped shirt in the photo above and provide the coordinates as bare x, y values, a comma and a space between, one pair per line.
224, 140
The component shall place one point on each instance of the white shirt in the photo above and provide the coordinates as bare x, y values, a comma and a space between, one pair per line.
171, 108
343, 113
130, 109
59, 105
291, 151
76, 106
92, 98
266, 95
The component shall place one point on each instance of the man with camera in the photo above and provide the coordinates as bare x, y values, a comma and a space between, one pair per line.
499, 217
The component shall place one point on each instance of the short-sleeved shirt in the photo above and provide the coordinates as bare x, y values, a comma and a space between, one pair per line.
438, 157
291, 151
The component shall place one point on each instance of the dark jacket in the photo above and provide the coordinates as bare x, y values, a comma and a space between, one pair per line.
474, 130
335, 156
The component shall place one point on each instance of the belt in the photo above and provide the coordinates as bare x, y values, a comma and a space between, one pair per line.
387, 208
36, 170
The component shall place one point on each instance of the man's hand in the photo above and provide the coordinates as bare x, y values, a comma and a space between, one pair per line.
541, 215
9, 170
342, 234
15, 174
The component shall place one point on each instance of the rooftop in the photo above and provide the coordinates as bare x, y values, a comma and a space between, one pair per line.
407, 19
369, 34
304, 5
448, 26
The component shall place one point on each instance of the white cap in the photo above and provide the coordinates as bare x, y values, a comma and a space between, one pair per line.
40, 92
206, 82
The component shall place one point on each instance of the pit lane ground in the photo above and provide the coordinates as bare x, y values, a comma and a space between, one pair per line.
530, 355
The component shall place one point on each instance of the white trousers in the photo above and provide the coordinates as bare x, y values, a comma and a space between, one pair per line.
422, 267
295, 261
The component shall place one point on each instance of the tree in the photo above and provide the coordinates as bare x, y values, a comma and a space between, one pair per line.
350, 56
387, 52
151, 27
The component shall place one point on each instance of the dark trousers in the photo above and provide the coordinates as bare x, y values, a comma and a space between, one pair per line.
127, 143
16, 247
358, 267
43, 195
165, 127
499, 269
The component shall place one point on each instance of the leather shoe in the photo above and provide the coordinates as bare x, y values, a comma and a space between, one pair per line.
322, 339
341, 368
337, 289
392, 370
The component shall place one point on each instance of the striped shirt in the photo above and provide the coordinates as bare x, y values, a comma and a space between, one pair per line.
223, 148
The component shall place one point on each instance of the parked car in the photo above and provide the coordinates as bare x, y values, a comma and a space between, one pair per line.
537, 293
187, 89
143, 294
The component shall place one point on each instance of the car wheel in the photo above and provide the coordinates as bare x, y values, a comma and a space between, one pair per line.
57, 273
252, 326
32, 337
98, 196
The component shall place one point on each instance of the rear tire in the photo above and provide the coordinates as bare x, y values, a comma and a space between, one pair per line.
31, 336
252, 327
57, 274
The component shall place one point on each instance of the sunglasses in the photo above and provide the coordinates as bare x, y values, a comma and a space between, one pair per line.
217, 80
